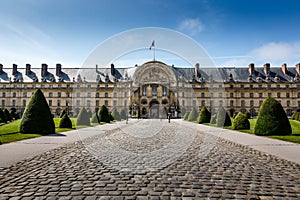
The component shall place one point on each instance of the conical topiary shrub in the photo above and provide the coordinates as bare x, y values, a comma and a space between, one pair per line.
2, 116
65, 122
186, 116
213, 119
37, 117
223, 118
95, 118
7, 115
248, 115
272, 119
62, 113
103, 114
193, 115
296, 116
89, 113
204, 116
83, 118
123, 114
14, 114
241, 122
115, 114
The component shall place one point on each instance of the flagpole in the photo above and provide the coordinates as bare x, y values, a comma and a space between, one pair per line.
154, 53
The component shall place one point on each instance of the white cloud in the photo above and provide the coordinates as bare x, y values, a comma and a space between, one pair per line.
192, 26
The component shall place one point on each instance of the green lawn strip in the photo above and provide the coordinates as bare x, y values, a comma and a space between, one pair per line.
16, 137
295, 137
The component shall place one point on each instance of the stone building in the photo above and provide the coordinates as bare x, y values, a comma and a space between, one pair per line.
152, 89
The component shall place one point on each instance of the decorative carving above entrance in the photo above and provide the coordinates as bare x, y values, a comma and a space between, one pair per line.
154, 75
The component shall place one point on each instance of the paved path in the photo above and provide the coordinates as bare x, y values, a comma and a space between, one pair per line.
150, 159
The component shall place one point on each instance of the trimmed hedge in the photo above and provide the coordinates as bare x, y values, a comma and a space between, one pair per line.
65, 122
186, 116
103, 114
123, 114
223, 118
37, 117
241, 122
272, 119
2, 116
213, 119
204, 116
193, 115
95, 118
83, 118
115, 114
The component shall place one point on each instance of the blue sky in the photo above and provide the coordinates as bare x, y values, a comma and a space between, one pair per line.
232, 32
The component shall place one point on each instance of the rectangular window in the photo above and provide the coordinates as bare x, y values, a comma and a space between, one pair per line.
24, 103
3, 94
231, 95
50, 94
211, 95
203, 103
242, 86
260, 102
3, 103
164, 92
269, 94
288, 103
220, 103
88, 103
106, 103
77, 94
115, 95
251, 95
287, 86
183, 103
242, 95
260, 95
259, 86
89, 94
269, 86
182, 94
194, 103
251, 86
14, 95
24, 94
106, 86
287, 95
125, 103
58, 103
78, 103
202, 95
220, 95
13, 103
115, 103
97, 103
277, 86
231, 103
144, 90
106, 94
251, 103
212, 103
50, 102
97, 95
154, 90
278, 95
243, 103
59, 94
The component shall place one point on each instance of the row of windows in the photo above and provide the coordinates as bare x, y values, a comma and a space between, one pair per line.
154, 90
232, 104
247, 86
242, 95
50, 86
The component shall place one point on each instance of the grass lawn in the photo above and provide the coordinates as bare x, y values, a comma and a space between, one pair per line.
295, 137
10, 132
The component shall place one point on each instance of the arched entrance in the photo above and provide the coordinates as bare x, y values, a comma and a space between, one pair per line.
154, 109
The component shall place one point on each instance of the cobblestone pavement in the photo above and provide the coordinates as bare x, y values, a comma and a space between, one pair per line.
164, 161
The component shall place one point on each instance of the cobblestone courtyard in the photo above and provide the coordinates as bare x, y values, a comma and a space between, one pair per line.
152, 159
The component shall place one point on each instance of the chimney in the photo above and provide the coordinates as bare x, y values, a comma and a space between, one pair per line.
44, 70
251, 68
1, 68
28, 66
14, 69
267, 68
298, 68
58, 69
197, 70
284, 68
112, 69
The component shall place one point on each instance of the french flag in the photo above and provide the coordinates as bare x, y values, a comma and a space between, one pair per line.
152, 45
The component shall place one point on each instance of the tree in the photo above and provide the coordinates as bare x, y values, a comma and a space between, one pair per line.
193, 115
103, 114
14, 114
7, 115
241, 122
65, 122
204, 116
95, 118
272, 119
2, 116
213, 119
115, 114
223, 118
123, 114
186, 116
83, 118
62, 113
37, 117
248, 115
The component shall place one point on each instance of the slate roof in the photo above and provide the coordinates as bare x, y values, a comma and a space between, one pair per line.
234, 74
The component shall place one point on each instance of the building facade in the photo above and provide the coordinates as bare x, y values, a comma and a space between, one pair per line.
152, 89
